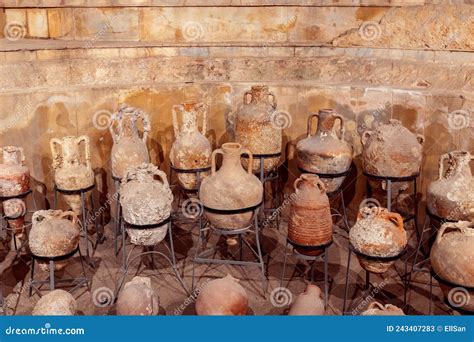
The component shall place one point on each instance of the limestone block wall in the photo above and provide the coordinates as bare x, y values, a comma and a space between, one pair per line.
66, 65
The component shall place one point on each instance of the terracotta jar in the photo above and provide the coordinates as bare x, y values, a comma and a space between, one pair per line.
256, 129
377, 309
191, 149
54, 233
146, 199
230, 188
223, 296
310, 221
14, 175
138, 298
452, 259
14, 181
129, 149
451, 196
308, 303
378, 233
72, 167
56, 303
326, 151
391, 151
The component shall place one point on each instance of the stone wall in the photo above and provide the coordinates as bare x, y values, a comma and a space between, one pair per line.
66, 66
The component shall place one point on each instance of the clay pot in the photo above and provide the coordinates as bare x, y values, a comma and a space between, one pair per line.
56, 303
191, 149
452, 259
391, 151
14, 181
377, 309
129, 150
54, 233
230, 188
223, 296
378, 233
326, 151
146, 199
72, 168
452, 195
14, 175
138, 298
256, 128
308, 303
310, 221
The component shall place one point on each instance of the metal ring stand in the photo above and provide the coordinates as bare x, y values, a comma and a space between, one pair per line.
76, 282
339, 192
86, 212
149, 251
203, 256
272, 176
368, 284
417, 266
324, 255
19, 196
452, 285
181, 191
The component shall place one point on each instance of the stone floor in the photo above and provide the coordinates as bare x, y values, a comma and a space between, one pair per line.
107, 274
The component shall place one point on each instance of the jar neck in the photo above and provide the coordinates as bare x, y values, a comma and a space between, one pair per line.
326, 121
231, 158
259, 94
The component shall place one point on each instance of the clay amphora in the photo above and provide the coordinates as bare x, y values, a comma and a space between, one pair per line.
138, 298
230, 188
146, 199
54, 233
223, 296
377, 309
255, 128
452, 259
72, 168
310, 221
378, 233
191, 149
391, 151
56, 303
14, 181
326, 151
451, 196
308, 303
129, 149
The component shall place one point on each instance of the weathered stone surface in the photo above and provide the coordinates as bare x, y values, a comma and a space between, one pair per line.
56, 303
37, 23
61, 23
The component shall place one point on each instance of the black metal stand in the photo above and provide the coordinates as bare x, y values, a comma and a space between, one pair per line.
368, 284
337, 193
310, 258
14, 235
468, 289
272, 178
203, 256
75, 282
149, 250
87, 214
181, 191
